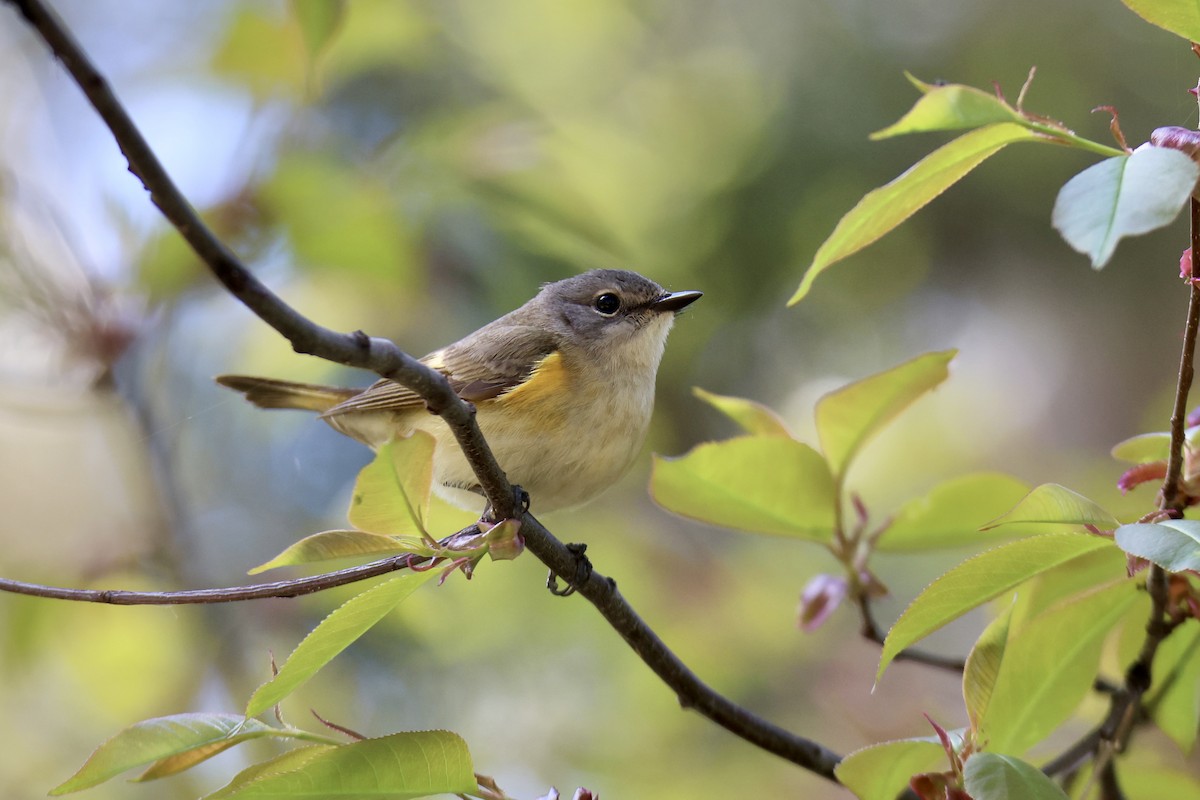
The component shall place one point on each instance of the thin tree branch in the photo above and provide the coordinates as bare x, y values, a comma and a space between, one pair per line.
383, 357
870, 630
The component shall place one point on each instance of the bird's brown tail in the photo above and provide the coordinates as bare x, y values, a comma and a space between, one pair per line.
271, 393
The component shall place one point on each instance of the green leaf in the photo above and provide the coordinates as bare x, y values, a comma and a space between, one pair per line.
885, 208
1054, 504
1143, 448
990, 776
765, 484
1123, 196
848, 417
882, 771
754, 418
1155, 782
398, 767
1174, 699
979, 579
951, 514
1173, 544
161, 738
950, 107
1180, 17
319, 20
983, 667
329, 545
286, 762
335, 633
391, 495
1049, 665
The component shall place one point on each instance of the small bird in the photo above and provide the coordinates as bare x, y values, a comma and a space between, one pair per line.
563, 388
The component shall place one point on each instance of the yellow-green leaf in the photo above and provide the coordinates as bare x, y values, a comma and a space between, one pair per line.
950, 107
885, 208
402, 766
1049, 665
979, 579
391, 495
1180, 17
1056, 505
161, 738
329, 545
765, 484
848, 417
1143, 448
881, 771
1174, 698
950, 515
983, 667
319, 21
753, 417
335, 633
285, 762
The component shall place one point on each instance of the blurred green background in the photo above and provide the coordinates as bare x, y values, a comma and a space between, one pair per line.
420, 172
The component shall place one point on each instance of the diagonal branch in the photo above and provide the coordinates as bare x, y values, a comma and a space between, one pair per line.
383, 357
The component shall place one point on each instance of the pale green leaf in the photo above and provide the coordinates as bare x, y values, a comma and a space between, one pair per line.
329, 545
1067, 580
335, 633
983, 667
1180, 17
990, 776
754, 418
951, 107
765, 484
1174, 698
888, 206
285, 762
1143, 448
163, 737
882, 771
979, 579
1054, 504
1156, 782
952, 512
1049, 665
1123, 196
849, 416
1172, 544
391, 495
396, 767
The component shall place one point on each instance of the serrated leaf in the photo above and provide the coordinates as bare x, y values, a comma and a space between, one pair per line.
1174, 698
335, 633
753, 417
848, 417
329, 545
764, 484
285, 762
1143, 448
1123, 196
160, 738
990, 776
1049, 665
398, 767
979, 579
983, 667
391, 495
1180, 17
951, 513
951, 107
885, 208
882, 771
1056, 505
1172, 544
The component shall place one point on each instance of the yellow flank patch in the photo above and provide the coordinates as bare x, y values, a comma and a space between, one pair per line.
548, 386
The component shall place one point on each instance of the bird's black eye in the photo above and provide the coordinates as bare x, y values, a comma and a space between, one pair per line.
607, 304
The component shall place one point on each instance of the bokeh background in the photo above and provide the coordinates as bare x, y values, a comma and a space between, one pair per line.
420, 174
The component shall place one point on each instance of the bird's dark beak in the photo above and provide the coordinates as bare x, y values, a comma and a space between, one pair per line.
676, 301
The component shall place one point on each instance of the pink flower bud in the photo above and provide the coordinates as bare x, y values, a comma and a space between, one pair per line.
820, 597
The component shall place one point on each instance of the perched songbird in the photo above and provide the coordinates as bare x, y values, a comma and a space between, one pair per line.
563, 387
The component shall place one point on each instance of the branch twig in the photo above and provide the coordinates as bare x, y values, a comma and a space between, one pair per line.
383, 357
